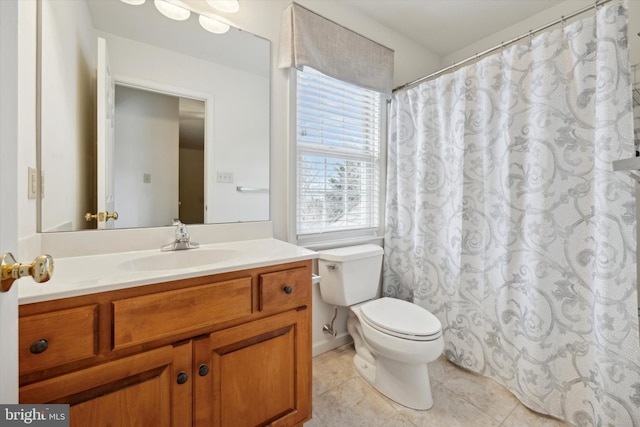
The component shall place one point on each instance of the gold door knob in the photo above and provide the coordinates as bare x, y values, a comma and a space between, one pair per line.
41, 269
101, 216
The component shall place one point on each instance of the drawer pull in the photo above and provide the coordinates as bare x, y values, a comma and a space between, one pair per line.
39, 346
287, 289
182, 377
203, 370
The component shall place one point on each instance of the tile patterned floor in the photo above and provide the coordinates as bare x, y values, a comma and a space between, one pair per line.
461, 399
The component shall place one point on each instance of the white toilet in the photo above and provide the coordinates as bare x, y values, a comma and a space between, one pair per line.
394, 339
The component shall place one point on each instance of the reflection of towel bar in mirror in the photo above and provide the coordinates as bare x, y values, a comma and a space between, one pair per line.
242, 189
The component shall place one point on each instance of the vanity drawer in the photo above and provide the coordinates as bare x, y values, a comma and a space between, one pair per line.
57, 337
285, 289
160, 315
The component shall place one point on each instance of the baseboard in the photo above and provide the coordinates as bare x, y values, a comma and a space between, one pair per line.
323, 347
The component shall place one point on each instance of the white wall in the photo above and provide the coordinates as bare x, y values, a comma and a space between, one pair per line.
323, 314
26, 115
146, 138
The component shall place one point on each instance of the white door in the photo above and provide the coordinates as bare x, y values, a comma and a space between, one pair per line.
8, 199
106, 136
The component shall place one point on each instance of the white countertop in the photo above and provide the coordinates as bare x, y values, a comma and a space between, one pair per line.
83, 275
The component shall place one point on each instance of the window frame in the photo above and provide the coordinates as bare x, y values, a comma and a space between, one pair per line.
350, 236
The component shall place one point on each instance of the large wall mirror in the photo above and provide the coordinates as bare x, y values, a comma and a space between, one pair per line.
149, 117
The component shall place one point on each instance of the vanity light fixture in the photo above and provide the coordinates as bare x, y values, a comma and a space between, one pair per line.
179, 13
226, 6
172, 11
213, 25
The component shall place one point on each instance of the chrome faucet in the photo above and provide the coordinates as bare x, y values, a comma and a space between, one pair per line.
182, 239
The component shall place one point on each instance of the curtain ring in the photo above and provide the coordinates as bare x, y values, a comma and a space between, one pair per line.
562, 21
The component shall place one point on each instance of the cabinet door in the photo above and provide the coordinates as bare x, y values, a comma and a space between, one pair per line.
258, 373
140, 390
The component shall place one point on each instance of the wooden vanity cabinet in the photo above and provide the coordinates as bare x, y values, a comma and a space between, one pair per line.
232, 349
254, 374
138, 390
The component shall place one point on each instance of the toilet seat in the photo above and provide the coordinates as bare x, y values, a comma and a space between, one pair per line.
401, 319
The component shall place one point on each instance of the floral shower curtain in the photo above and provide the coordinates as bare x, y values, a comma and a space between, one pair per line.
505, 220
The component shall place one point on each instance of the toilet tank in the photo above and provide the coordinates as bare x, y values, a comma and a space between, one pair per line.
350, 275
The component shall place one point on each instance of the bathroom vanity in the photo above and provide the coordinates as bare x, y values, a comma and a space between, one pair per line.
230, 345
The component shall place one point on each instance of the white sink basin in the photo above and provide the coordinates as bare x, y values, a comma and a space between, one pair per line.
175, 260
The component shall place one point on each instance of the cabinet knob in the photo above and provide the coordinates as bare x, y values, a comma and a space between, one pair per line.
39, 346
182, 377
287, 289
203, 370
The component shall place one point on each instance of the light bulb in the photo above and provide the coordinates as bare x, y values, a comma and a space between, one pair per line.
213, 25
172, 11
226, 6
133, 2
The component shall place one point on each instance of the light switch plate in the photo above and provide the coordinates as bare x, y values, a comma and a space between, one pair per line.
225, 177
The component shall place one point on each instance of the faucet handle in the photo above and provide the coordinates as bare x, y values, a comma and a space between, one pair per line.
176, 221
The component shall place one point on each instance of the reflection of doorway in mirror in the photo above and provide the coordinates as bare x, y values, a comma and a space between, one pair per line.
159, 158
191, 147
106, 136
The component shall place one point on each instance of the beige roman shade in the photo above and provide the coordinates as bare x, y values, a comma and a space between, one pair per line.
308, 39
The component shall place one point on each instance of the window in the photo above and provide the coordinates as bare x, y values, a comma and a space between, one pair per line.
338, 158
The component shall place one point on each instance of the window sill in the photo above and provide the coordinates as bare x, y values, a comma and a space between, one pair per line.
339, 243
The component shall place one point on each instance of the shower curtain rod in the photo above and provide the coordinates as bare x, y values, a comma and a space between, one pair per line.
502, 45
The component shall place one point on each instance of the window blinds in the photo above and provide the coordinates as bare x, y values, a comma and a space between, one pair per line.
338, 161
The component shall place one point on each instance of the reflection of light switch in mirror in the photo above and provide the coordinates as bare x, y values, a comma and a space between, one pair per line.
32, 186
225, 177
146, 178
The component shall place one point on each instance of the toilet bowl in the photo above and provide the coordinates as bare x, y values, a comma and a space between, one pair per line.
394, 339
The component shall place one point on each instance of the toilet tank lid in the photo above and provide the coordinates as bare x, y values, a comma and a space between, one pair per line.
351, 252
